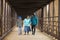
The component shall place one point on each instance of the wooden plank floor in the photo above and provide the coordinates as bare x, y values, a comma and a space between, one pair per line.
14, 36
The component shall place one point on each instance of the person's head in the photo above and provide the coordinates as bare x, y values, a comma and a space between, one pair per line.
19, 17
28, 17
34, 13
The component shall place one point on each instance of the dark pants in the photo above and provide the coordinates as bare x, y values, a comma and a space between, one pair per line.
33, 29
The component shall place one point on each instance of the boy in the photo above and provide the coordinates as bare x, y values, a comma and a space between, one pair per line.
19, 24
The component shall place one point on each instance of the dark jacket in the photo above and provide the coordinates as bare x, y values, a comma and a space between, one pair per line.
34, 20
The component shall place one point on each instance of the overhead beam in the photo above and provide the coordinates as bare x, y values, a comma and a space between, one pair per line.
25, 1
28, 6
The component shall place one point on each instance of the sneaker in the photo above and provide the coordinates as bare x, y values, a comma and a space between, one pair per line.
24, 34
27, 33
33, 33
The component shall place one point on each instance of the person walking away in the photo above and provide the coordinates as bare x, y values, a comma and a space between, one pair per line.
19, 24
27, 23
34, 22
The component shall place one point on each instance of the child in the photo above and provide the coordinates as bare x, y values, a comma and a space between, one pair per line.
27, 24
19, 24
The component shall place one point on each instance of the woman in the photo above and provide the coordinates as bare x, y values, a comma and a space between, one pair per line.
27, 24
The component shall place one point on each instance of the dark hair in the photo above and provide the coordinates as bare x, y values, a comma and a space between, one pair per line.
33, 14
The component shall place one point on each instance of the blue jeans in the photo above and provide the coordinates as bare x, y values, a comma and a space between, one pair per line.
27, 28
19, 30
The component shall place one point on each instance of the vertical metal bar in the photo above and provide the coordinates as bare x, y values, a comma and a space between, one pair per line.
59, 19
53, 17
42, 20
4, 17
48, 18
1, 18
7, 16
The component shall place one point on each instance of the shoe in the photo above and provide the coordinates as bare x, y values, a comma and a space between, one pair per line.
33, 33
24, 34
27, 33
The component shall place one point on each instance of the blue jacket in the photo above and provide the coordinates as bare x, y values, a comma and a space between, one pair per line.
27, 22
34, 20
19, 23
